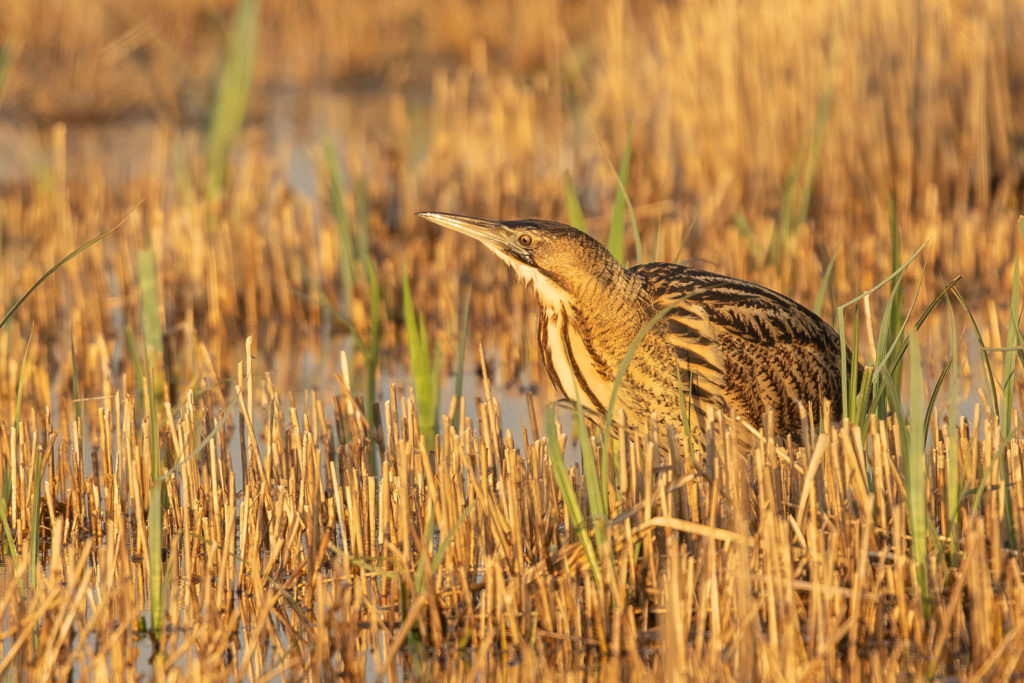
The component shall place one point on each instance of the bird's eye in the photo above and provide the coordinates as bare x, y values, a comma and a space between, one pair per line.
525, 240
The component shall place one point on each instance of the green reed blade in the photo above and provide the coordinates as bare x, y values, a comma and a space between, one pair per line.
346, 245
594, 475
34, 521
826, 280
21, 378
572, 205
6, 59
953, 446
620, 374
572, 503
617, 230
460, 355
914, 467
76, 394
1014, 346
425, 365
232, 97
17, 304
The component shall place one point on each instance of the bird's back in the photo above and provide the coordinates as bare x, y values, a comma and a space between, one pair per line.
750, 347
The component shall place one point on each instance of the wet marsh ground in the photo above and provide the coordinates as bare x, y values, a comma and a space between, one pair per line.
232, 444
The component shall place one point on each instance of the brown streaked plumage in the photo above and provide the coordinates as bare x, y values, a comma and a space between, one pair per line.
727, 343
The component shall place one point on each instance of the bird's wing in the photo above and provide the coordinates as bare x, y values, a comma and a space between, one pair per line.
769, 350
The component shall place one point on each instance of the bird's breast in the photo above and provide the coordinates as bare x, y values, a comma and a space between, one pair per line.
578, 370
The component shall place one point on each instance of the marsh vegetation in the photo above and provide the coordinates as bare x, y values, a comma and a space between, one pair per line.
264, 423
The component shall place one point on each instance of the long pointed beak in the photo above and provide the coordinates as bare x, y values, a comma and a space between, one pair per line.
492, 234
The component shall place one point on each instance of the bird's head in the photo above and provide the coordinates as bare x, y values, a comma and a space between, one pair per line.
560, 261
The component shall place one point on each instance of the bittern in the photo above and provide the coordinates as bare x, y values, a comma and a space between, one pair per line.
722, 342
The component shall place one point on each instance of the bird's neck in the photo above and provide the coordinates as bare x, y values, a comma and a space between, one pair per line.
614, 299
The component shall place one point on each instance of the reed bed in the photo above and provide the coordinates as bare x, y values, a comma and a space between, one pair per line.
206, 471
785, 563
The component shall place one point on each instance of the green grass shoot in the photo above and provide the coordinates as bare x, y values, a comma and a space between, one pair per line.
34, 520
152, 328
232, 96
893, 319
620, 373
572, 503
148, 377
460, 356
361, 200
594, 474
953, 490
9, 545
821, 116
1013, 351
826, 280
796, 196
426, 366
6, 59
572, 205
617, 230
855, 393
76, 393
684, 390
371, 355
357, 272
346, 244
21, 380
60, 264
154, 521
914, 458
